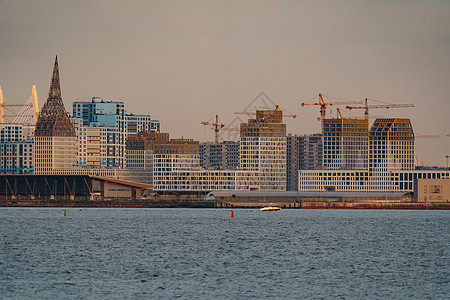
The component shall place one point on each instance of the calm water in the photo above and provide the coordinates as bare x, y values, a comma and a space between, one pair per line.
202, 253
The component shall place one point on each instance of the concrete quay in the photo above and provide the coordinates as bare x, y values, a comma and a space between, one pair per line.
177, 202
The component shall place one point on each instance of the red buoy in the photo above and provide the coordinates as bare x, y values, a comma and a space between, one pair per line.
232, 213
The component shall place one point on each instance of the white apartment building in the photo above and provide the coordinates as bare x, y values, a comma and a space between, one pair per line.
263, 149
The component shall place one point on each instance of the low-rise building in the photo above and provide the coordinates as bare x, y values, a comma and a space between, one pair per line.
432, 190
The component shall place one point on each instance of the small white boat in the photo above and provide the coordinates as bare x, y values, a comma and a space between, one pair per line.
270, 208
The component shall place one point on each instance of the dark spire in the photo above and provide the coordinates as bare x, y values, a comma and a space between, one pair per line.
55, 88
53, 119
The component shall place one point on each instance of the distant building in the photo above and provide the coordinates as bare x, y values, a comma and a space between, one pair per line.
16, 149
345, 144
390, 163
432, 190
176, 163
303, 152
263, 149
220, 156
391, 145
54, 137
102, 129
100, 113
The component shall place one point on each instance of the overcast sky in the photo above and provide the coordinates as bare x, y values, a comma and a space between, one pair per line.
185, 61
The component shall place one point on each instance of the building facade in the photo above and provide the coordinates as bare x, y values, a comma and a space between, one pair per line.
345, 144
103, 128
101, 113
54, 137
176, 163
263, 149
219, 156
16, 149
303, 152
390, 163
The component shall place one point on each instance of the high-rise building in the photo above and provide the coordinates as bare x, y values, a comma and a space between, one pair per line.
263, 149
103, 128
345, 144
303, 152
54, 137
176, 163
390, 160
391, 145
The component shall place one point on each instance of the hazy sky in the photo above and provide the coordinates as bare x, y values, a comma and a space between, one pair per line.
185, 61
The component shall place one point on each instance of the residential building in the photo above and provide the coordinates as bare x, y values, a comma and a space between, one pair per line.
219, 156
390, 168
345, 144
16, 149
100, 113
263, 149
303, 152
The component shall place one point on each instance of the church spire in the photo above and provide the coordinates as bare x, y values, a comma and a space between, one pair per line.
55, 88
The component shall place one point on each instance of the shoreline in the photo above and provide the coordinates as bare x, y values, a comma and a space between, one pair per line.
191, 203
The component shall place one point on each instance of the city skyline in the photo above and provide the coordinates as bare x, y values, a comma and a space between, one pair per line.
184, 62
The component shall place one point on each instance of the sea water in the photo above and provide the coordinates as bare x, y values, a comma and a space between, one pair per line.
100, 253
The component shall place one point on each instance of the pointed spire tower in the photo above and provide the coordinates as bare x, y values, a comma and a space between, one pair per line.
55, 146
53, 119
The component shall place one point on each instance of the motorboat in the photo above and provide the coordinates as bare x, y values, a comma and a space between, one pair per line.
270, 208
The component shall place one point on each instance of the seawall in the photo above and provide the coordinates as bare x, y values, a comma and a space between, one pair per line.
199, 203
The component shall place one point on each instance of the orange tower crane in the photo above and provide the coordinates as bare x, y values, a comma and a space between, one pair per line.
323, 105
427, 136
217, 127
339, 116
366, 107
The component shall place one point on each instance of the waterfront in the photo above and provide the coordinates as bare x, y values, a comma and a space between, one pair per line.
167, 253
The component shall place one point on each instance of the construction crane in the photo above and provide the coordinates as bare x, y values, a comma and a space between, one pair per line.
217, 127
366, 107
427, 136
323, 105
339, 116
251, 113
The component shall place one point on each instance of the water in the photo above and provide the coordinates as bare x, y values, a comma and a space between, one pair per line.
204, 253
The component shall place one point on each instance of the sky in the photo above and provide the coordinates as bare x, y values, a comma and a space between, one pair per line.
183, 62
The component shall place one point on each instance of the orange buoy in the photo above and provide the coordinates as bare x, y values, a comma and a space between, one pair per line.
232, 213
